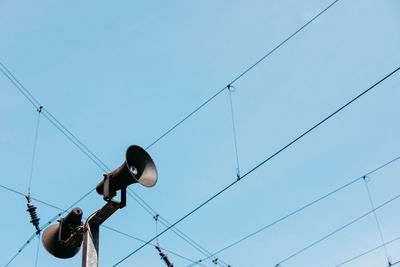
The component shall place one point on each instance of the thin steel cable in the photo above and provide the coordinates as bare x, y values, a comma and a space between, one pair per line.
337, 230
35, 140
51, 118
175, 230
54, 119
205, 251
305, 206
283, 42
25, 92
367, 252
263, 162
376, 219
36, 103
74, 142
234, 131
37, 251
243, 73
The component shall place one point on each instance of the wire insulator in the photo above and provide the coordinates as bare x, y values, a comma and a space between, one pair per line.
32, 212
163, 256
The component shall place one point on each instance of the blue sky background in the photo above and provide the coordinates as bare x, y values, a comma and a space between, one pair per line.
121, 73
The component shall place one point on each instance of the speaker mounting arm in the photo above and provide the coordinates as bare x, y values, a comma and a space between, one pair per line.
109, 193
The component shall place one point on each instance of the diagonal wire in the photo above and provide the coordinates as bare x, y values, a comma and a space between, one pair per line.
368, 251
243, 73
337, 230
48, 223
376, 220
86, 151
103, 225
264, 161
175, 230
304, 207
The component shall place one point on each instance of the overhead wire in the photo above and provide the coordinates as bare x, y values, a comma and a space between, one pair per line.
47, 224
367, 252
265, 161
336, 231
26, 93
166, 223
304, 207
103, 225
243, 73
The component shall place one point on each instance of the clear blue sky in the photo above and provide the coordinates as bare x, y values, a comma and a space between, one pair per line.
121, 73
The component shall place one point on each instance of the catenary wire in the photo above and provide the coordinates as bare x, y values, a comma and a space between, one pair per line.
103, 225
244, 72
25, 92
367, 252
264, 161
304, 207
93, 157
56, 123
337, 230
175, 230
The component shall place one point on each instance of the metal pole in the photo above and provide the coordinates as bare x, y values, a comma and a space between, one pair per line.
90, 253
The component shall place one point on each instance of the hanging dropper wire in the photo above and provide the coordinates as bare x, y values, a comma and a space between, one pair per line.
230, 90
31, 207
389, 259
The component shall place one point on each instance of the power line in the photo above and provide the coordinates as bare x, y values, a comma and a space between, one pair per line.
304, 207
368, 251
91, 155
243, 73
103, 225
337, 230
263, 162
48, 223
166, 223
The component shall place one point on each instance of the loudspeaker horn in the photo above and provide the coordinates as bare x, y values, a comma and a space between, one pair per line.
137, 168
54, 236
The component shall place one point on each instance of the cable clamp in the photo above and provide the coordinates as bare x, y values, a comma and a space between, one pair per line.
366, 178
215, 261
155, 217
39, 109
231, 88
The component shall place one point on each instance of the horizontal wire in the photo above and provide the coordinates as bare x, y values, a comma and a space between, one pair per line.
175, 230
305, 206
264, 161
337, 230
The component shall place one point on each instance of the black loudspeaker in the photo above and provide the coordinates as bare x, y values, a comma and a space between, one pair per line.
137, 168
54, 236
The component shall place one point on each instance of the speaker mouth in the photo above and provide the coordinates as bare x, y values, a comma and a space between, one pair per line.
137, 159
